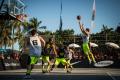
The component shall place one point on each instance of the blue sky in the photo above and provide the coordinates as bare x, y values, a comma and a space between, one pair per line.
48, 11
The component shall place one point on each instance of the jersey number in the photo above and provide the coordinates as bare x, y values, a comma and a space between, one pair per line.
34, 42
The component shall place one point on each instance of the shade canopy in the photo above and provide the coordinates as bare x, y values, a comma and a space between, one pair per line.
93, 44
74, 45
111, 44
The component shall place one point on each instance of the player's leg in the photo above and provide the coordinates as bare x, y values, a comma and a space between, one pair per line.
93, 59
64, 62
33, 60
89, 59
90, 54
70, 64
65, 65
57, 62
43, 63
49, 63
29, 68
86, 51
44, 60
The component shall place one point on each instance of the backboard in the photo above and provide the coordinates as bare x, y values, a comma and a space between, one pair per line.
13, 7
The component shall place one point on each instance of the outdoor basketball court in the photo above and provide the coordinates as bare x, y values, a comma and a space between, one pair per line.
60, 74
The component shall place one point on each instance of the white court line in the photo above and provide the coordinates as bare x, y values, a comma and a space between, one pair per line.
113, 78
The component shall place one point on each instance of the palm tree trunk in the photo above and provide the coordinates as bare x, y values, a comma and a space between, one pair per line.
19, 38
12, 39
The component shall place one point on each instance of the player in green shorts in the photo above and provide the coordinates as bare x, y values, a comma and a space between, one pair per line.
45, 57
33, 46
49, 48
85, 45
60, 58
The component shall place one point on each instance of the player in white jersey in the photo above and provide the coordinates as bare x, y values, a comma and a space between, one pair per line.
33, 44
85, 45
69, 56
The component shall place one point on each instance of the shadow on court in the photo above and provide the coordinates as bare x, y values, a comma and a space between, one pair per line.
60, 74
61, 77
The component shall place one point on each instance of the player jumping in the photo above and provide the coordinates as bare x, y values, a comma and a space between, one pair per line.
85, 45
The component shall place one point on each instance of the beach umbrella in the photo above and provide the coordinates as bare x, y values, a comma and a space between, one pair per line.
74, 45
111, 44
93, 44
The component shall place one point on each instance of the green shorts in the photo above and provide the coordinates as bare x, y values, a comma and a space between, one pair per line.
60, 60
34, 59
86, 48
45, 58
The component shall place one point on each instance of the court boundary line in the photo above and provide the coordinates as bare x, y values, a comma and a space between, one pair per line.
113, 78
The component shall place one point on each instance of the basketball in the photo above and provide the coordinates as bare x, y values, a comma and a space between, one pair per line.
78, 17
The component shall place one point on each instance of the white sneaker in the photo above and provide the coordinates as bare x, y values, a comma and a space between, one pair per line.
90, 62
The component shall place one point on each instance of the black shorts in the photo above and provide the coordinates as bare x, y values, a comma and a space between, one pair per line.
24, 60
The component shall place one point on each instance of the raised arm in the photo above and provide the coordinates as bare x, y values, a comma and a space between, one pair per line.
54, 49
81, 26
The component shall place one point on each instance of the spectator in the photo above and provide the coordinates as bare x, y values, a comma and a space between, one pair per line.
2, 61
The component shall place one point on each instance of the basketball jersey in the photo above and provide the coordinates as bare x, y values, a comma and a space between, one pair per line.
70, 53
35, 47
85, 38
47, 50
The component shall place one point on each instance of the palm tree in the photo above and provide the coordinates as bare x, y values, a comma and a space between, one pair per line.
21, 32
20, 39
18, 34
7, 40
34, 23
15, 31
5, 36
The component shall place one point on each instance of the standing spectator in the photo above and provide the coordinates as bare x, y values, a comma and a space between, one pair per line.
69, 56
2, 61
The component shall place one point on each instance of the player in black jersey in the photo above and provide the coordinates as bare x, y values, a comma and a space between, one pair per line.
48, 49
